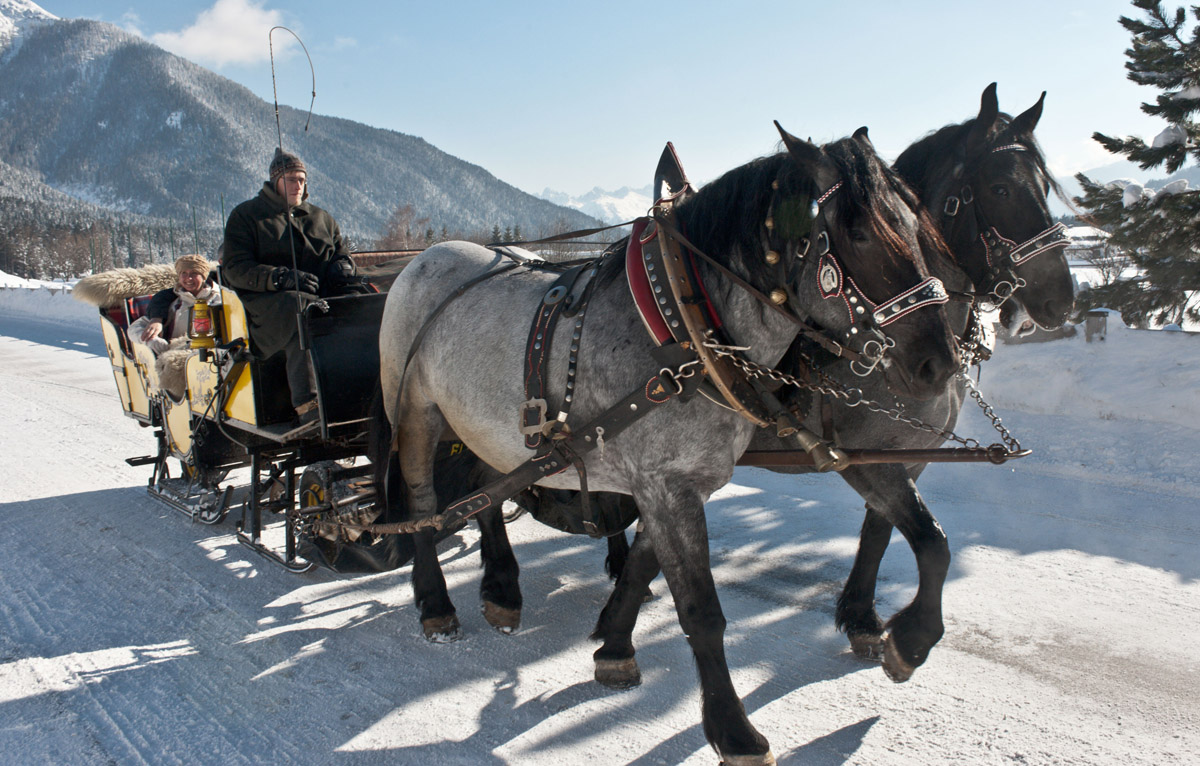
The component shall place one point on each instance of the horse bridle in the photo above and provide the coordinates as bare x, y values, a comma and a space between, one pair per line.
1003, 255
867, 318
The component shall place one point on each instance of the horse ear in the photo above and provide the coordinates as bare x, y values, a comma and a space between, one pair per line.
1028, 120
804, 152
989, 110
860, 136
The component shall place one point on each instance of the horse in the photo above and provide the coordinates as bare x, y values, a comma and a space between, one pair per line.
988, 180
820, 230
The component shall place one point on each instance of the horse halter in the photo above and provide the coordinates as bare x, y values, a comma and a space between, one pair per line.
1003, 255
867, 318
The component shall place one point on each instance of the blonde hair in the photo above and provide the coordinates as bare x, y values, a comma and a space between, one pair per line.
197, 263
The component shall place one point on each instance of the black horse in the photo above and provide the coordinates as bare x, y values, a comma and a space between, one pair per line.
987, 181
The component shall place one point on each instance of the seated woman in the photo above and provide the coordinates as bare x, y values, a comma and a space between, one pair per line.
166, 317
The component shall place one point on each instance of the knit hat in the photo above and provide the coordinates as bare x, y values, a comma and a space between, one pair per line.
197, 263
284, 162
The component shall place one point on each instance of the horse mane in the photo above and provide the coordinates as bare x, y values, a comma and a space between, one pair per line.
865, 180
935, 155
727, 215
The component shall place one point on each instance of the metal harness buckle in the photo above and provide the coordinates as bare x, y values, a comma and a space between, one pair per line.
533, 417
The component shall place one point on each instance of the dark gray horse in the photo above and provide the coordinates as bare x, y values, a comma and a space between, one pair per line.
458, 366
986, 181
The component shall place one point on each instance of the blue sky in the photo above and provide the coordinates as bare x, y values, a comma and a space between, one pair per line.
571, 96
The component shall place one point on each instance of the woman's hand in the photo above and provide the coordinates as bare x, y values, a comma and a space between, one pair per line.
153, 330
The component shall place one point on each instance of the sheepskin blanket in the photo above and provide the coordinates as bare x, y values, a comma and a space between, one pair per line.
109, 288
172, 368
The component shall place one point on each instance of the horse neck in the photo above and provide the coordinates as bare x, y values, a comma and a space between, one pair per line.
746, 320
928, 168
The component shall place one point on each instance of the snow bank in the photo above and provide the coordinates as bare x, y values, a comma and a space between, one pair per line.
1147, 375
51, 303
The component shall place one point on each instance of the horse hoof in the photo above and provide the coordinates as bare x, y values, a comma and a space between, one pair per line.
502, 618
441, 630
866, 646
896, 667
618, 674
766, 759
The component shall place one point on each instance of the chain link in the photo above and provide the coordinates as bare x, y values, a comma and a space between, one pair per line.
854, 397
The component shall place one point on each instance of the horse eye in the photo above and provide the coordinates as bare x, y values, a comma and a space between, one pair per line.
1000, 190
858, 234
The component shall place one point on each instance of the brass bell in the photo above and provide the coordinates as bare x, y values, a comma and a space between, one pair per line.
772, 257
778, 296
769, 223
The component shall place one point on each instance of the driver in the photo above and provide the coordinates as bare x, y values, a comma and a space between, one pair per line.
262, 237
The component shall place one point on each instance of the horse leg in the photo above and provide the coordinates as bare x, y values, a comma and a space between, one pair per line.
438, 618
674, 521
616, 667
913, 631
420, 428
618, 554
856, 615
499, 591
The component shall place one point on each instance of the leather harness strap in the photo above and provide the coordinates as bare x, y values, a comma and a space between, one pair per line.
655, 392
568, 296
686, 314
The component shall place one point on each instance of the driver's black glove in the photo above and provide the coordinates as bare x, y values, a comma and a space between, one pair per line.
284, 278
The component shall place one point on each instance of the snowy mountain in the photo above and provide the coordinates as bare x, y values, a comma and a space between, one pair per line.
618, 206
110, 119
16, 18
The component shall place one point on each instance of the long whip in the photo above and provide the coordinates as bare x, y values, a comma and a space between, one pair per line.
279, 136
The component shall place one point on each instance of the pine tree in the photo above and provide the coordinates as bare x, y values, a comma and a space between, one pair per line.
1160, 234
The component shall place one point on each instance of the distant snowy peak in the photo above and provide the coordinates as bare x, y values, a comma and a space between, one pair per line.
618, 206
16, 16
18, 10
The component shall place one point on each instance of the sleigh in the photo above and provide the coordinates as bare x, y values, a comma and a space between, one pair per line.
220, 409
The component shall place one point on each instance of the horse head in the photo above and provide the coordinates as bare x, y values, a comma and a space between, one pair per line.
859, 245
987, 181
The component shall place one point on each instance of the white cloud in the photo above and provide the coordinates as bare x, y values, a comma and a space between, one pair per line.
230, 32
131, 22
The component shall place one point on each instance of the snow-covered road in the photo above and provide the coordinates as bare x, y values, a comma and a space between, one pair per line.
128, 636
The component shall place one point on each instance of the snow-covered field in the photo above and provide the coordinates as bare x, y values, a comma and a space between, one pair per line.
128, 636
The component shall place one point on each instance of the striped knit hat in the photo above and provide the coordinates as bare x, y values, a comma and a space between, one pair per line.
284, 162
